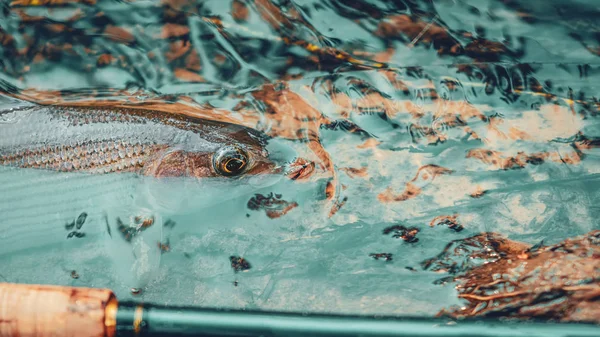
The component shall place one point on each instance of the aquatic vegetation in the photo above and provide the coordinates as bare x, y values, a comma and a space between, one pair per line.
551, 282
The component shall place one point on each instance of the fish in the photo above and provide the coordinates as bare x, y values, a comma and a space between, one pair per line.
59, 161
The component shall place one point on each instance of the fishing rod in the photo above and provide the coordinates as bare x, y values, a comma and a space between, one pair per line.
42, 310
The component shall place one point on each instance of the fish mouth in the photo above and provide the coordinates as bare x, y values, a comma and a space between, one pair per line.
298, 169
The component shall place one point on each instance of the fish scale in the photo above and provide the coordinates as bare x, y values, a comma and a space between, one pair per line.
91, 156
57, 126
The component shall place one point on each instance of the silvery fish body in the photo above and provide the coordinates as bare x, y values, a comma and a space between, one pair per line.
118, 166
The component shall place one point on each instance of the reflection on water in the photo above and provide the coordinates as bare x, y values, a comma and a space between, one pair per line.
402, 128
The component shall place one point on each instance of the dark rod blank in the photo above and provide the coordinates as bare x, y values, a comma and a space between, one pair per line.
149, 320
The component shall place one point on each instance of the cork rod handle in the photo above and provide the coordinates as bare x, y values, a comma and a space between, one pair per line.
44, 311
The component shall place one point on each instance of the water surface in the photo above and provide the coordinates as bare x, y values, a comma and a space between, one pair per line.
441, 118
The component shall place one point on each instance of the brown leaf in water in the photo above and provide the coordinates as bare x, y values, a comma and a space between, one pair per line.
272, 204
463, 254
408, 234
6, 39
118, 34
38, 58
514, 133
383, 256
336, 206
446, 114
272, 14
192, 61
175, 4
219, 59
164, 247
499, 161
485, 49
239, 11
173, 30
429, 172
432, 137
479, 192
404, 25
384, 56
557, 282
56, 27
290, 116
239, 263
29, 18
104, 60
411, 190
550, 121
374, 102
463, 109
355, 172
447, 220
301, 169
369, 143
186, 75
571, 158
177, 49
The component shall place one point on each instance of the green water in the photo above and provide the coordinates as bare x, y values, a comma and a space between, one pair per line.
477, 96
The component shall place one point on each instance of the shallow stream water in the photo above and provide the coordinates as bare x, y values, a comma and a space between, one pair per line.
436, 120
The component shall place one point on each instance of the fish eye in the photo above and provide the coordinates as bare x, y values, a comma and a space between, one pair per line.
230, 161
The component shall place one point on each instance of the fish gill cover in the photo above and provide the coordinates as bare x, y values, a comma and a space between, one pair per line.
389, 157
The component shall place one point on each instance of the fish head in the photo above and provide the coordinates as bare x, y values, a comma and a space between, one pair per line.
239, 162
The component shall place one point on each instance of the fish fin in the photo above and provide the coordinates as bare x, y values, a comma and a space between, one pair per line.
13, 109
7, 88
